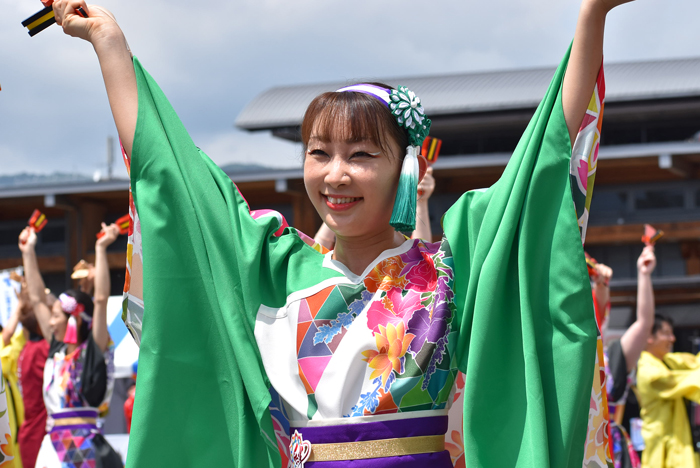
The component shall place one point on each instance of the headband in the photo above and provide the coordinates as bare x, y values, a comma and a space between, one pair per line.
408, 111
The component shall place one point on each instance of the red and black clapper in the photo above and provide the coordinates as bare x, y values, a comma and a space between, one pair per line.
37, 221
431, 149
124, 222
45, 18
651, 235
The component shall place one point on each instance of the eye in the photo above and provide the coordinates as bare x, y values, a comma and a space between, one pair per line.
364, 154
317, 152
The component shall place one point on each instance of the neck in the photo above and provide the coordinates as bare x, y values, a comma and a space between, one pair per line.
356, 253
657, 354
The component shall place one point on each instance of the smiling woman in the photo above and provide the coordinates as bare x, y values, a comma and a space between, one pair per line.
258, 349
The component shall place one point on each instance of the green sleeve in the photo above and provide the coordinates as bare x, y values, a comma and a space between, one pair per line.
527, 334
207, 267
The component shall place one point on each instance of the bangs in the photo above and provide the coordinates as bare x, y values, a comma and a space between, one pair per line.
351, 117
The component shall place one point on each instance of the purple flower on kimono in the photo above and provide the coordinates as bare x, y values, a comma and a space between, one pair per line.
434, 361
428, 327
410, 259
416, 254
444, 291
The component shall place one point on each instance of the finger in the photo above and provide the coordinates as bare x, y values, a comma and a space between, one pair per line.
70, 9
58, 11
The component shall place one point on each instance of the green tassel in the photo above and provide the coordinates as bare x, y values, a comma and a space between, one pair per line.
403, 218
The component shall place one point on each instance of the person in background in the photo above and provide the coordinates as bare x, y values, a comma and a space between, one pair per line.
13, 342
129, 403
30, 369
23, 358
79, 371
84, 272
664, 381
621, 355
426, 187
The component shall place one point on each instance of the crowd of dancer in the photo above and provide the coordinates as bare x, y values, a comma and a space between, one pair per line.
59, 366
260, 347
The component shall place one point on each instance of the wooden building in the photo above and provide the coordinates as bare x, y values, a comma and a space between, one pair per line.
648, 172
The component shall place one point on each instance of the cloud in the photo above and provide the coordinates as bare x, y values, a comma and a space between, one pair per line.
212, 58
251, 148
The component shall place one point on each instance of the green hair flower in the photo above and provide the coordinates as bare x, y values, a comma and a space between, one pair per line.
409, 113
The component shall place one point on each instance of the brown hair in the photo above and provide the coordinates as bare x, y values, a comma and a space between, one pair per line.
29, 321
367, 119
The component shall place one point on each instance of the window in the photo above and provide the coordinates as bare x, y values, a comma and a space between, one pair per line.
659, 199
608, 202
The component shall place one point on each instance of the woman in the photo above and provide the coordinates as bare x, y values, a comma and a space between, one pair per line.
621, 355
28, 364
78, 375
251, 335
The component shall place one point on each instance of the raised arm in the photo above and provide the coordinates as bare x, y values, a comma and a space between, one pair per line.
602, 285
635, 338
107, 38
585, 61
425, 190
35, 283
102, 285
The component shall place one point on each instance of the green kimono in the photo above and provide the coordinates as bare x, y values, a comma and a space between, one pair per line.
521, 325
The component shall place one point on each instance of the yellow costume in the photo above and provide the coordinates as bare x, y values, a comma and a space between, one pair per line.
9, 355
662, 386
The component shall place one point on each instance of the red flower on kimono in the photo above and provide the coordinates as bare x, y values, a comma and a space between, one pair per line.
394, 308
423, 276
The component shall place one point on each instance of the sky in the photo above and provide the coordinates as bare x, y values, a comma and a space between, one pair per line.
212, 58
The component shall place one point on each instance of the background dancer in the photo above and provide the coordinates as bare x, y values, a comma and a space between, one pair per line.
78, 375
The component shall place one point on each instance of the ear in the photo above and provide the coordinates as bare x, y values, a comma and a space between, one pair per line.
422, 167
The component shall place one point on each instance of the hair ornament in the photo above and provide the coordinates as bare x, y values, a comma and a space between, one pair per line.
70, 305
71, 335
73, 308
408, 111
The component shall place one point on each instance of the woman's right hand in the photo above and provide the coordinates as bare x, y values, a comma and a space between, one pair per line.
99, 23
27, 240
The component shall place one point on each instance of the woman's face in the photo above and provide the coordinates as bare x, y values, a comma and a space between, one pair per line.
58, 321
352, 184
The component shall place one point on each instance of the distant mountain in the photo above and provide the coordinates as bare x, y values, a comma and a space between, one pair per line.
238, 168
24, 179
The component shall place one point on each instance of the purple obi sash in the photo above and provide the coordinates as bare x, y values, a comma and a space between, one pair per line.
380, 436
74, 418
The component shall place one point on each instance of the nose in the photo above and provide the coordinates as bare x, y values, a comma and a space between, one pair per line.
337, 172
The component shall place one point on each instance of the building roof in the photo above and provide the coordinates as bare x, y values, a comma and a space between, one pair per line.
284, 106
644, 150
